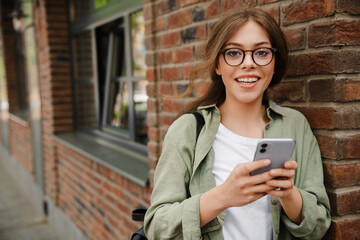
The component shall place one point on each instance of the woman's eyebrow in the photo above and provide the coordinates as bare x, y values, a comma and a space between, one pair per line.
240, 45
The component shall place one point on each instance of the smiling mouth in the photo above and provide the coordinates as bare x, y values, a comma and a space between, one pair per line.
247, 80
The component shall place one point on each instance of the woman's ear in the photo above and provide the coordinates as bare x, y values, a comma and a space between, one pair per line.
217, 70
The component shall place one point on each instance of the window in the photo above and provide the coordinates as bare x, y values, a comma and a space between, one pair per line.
109, 78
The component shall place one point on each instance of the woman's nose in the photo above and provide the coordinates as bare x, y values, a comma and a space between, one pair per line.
248, 61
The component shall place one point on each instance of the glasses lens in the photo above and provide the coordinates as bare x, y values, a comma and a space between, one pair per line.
262, 56
234, 56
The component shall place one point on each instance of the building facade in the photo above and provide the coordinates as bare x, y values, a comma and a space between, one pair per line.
83, 115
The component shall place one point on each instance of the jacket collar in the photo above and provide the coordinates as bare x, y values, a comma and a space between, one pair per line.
270, 107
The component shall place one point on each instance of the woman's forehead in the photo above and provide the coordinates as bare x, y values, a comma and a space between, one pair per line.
249, 33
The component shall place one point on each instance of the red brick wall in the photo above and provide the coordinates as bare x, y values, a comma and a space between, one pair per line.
55, 81
98, 200
20, 143
323, 80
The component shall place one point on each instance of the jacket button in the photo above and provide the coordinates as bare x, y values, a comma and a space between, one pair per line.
274, 202
277, 231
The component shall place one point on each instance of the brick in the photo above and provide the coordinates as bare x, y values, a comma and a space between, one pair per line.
174, 20
153, 134
165, 120
198, 14
149, 28
165, 89
162, 8
170, 39
347, 116
348, 6
335, 33
341, 174
184, 3
329, 146
323, 90
164, 57
344, 228
161, 24
353, 146
151, 119
189, 34
326, 62
150, 74
296, 38
283, 91
149, 43
334, 90
170, 73
173, 105
274, 13
227, 5
351, 90
212, 10
185, 17
150, 59
148, 12
152, 105
187, 71
318, 117
263, 2
344, 201
172, 5
302, 11
201, 32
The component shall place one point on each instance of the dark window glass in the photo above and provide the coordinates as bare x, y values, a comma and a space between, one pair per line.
84, 82
116, 96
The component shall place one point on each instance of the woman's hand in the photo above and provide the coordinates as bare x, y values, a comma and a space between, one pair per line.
239, 189
282, 181
282, 186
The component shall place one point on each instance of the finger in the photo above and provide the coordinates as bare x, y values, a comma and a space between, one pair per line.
283, 184
252, 166
290, 165
260, 178
261, 188
280, 172
279, 192
256, 196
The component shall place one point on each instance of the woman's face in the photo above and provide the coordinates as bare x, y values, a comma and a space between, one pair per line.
246, 82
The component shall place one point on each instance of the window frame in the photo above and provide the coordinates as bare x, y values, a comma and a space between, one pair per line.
89, 24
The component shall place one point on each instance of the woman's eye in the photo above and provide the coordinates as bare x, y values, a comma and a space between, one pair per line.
234, 53
262, 53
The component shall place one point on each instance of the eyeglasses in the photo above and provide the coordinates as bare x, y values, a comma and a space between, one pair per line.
260, 56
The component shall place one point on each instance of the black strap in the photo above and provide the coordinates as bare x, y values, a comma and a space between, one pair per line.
200, 122
139, 235
138, 214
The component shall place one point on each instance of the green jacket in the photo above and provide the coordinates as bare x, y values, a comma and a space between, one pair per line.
184, 173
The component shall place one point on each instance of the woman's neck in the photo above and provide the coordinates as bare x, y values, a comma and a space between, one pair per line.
245, 119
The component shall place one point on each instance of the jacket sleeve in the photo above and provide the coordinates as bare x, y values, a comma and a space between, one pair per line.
309, 181
174, 214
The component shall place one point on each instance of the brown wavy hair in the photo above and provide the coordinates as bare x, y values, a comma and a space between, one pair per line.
223, 30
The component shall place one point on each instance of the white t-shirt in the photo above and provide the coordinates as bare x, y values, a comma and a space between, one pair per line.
252, 221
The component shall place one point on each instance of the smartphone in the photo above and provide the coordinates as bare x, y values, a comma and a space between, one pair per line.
278, 150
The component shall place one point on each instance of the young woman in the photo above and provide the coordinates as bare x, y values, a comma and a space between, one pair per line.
203, 189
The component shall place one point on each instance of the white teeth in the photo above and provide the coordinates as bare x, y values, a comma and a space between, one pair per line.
246, 80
